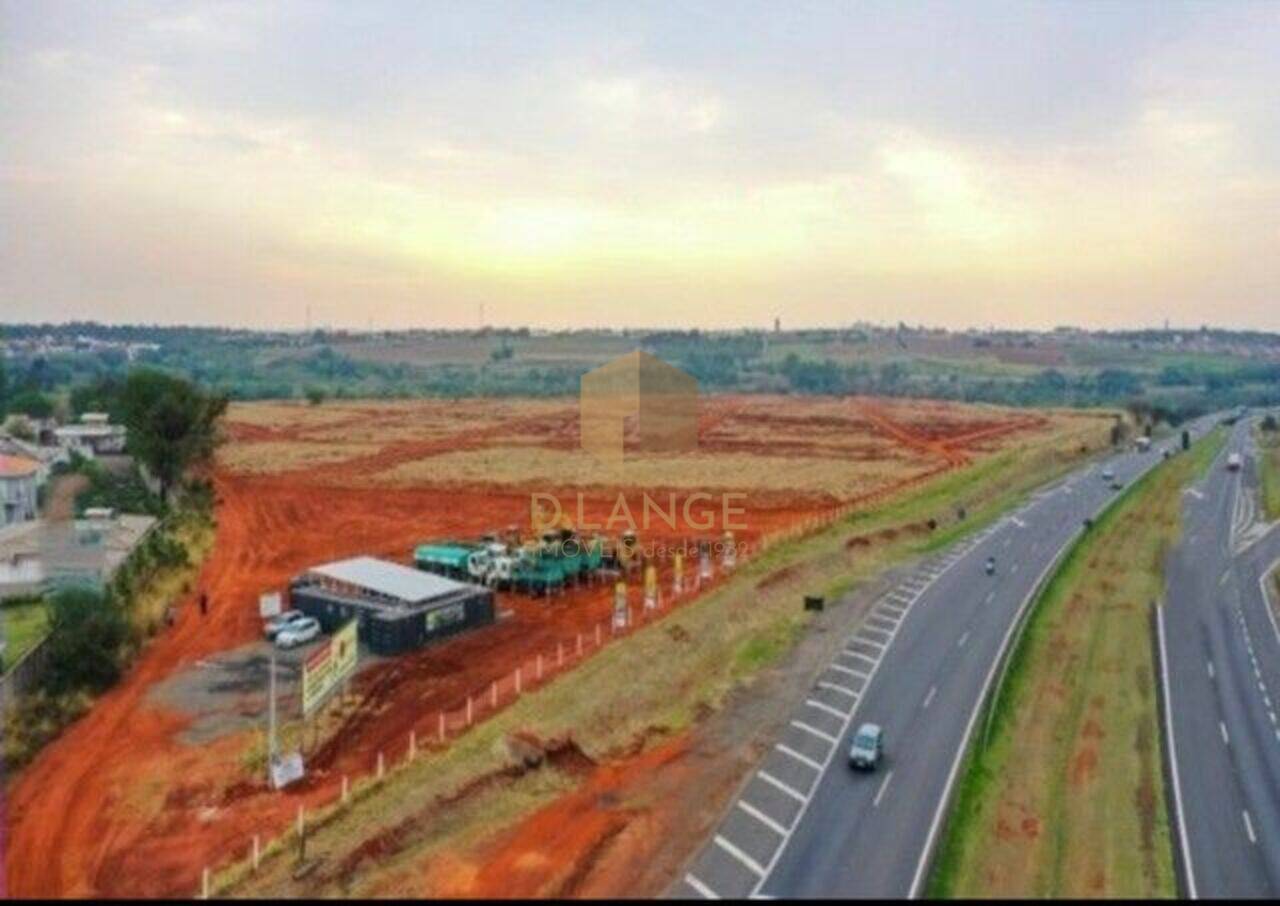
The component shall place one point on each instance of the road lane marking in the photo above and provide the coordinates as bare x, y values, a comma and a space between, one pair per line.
738, 854
1248, 827
836, 687
964, 638
1210, 666
1226, 740
762, 817
703, 890
782, 787
928, 699
823, 706
847, 671
862, 639
814, 731
803, 759
1173, 755
880, 793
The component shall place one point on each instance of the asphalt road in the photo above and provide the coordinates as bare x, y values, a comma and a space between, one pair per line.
805, 825
1222, 685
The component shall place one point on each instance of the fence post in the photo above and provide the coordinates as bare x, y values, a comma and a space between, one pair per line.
468, 710
493, 695
441, 726
413, 744
381, 765
257, 852
539, 666
579, 644
559, 654
204, 883
346, 788
517, 681
597, 635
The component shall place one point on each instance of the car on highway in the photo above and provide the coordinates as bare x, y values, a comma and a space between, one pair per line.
1234, 462
1108, 475
298, 633
272, 627
1117, 485
867, 748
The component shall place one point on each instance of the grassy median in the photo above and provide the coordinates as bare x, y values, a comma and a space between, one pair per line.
1269, 469
1066, 797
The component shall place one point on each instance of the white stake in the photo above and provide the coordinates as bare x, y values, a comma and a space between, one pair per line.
257, 852
517, 681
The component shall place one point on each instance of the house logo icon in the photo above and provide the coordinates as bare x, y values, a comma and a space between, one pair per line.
635, 405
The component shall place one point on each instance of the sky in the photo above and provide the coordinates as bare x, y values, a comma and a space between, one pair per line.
640, 164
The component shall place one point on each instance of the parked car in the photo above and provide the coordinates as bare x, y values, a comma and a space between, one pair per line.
867, 748
272, 627
298, 633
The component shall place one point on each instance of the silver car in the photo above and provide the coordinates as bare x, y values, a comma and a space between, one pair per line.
867, 748
298, 633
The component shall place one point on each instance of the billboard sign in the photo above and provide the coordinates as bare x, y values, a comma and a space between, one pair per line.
269, 605
328, 667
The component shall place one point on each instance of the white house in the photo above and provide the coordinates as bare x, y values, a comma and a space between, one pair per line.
18, 478
93, 435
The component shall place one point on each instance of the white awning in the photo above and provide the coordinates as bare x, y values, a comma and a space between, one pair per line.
389, 579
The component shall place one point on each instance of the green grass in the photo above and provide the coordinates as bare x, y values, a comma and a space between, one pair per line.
25, 624
664, 677
1066, 799
1269, 467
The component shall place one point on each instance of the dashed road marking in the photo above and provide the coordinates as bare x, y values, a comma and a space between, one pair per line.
928, 699
803, 759
836, 687
875, 803
823, 706
1248, 826
814, 731
1226, 740
784, 788
704, 891
762, 817
738, 854
964, 638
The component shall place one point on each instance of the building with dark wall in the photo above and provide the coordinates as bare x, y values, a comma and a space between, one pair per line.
399, 608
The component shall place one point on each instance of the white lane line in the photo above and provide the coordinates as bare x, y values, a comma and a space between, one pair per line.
1173, 756
823, 706
803, 759
875, 803
1248, 827
782, 787
814, 731
703, 890
964, 638
1210, 666
762, 817
863, 640
1226, 740
845, 670
738, 854
1013, 569
928, 699
836, 687
991, 596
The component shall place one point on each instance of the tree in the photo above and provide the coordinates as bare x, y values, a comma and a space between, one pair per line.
172, 424
315, 395
4, 390
31, 403
87, 629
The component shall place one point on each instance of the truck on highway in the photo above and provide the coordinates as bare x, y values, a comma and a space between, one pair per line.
1234, 462
1143, 444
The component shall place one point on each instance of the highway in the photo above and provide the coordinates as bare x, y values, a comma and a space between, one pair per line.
805, 825
1221, 654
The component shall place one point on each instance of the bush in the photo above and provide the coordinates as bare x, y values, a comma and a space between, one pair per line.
87, 630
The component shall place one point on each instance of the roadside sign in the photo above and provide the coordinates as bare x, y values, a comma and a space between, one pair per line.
650, 587
269, 605
677, 583
286, 769
328, 666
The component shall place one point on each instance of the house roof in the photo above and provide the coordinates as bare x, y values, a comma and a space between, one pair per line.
17, 467
391, 579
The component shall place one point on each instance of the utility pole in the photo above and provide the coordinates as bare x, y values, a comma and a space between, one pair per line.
271, 717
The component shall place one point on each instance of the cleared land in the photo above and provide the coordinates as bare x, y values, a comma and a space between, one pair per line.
133, 809
1067, 797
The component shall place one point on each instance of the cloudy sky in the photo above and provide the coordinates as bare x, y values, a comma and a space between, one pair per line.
640, 163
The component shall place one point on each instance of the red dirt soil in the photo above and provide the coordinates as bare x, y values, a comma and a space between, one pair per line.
119, 805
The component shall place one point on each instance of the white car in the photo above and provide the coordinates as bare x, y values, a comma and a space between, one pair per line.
272, 627
299, 632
